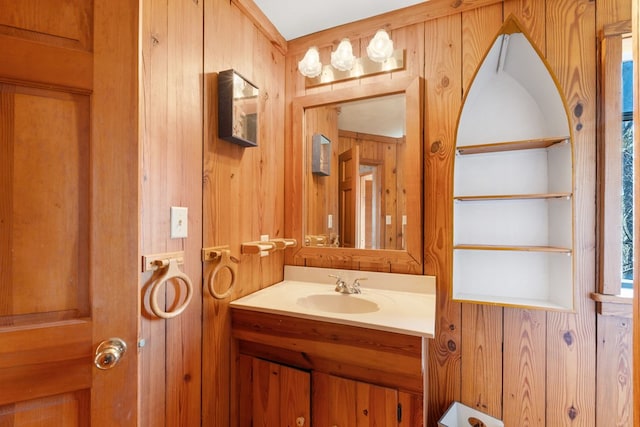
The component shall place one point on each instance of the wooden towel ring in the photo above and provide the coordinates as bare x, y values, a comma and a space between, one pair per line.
171, 272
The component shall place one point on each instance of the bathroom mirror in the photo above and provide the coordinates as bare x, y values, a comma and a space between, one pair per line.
368, 208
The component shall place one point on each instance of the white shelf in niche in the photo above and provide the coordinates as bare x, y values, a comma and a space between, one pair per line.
514, 223
513, 183
521, 172
531, 277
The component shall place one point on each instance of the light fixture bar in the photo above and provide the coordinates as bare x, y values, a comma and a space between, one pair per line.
363, 67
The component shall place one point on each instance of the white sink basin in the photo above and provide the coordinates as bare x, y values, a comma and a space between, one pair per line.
399, 303
338, 303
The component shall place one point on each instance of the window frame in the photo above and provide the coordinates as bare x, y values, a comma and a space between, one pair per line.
608, 296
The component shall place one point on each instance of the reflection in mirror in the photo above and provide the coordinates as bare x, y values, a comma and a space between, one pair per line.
361, 203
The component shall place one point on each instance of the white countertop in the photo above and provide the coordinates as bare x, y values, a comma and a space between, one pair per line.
400, 303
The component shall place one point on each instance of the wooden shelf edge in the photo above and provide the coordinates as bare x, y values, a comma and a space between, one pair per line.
613, 305
551, 249
497, 147
524, 303
513, 197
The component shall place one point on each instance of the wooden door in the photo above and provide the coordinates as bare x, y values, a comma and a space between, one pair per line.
344, 403
348, 200
68, 212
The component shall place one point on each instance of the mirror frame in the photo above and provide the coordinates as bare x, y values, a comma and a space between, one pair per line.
409, 260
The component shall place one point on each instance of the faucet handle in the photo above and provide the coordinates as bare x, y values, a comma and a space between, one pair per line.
355, 287
341, 286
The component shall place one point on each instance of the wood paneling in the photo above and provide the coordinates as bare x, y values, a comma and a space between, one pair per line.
571, 337
171, 101
544, 364
614, 362
524, 386
481, 325
443, 53
242, 188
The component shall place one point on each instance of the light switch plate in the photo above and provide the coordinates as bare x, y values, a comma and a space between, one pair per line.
179, 222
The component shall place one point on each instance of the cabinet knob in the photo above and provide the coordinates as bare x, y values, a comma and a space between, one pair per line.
300, 421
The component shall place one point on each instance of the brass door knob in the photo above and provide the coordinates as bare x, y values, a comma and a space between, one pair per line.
109, 353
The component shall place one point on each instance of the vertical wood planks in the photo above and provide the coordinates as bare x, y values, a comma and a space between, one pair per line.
481, 324
243, 188
614, 369
524, 383
171, 105
154, 230
571, 337
185, 138
443, 48
614, 392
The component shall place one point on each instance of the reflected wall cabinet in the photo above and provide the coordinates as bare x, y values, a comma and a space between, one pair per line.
513, 202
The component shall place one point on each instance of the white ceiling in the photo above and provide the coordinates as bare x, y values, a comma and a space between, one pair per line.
296, 18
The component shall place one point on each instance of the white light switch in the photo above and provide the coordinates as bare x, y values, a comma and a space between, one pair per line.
329, 221
388, 219
179, 222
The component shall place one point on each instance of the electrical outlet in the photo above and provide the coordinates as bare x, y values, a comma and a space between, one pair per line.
179, 222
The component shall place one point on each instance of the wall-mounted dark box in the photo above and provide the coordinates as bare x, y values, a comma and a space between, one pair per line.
237, 109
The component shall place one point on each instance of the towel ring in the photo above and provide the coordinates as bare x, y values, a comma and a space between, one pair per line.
228, 262
171, 272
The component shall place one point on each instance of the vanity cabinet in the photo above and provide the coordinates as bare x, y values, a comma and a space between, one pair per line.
272, 394
294, 370
513, 183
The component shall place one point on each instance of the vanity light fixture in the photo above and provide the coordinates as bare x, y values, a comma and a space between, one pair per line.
342, 58
381, 58
310, 66
380, 47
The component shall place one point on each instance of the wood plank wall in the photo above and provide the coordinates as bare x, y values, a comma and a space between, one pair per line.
528, 367
243, 189
185, 43
171, 100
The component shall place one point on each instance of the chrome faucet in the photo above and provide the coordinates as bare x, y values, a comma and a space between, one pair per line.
344, 288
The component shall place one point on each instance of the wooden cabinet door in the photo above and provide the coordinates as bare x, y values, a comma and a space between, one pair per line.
341, 402
68, 212
272, 394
